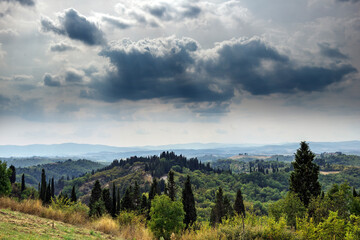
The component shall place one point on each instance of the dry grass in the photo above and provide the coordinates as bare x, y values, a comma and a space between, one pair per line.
106, 224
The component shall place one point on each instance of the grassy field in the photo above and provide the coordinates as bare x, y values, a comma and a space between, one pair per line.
16, 225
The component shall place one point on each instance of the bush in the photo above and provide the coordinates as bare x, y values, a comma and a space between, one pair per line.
166, 216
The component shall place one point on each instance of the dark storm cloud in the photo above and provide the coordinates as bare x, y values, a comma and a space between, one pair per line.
61, 47
73, 77
29, 3
76, 27
50, 81
116, 22
262, 70
151, 70
205, 80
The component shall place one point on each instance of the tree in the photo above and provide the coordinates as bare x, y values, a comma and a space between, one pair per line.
118, 202
144, 203
188, 202
136, 196
73, 195
239, 206
228, 210
96, 204
171, 188
304, 179
166, 217
107, 200
43, 186
13, 174
126, 202
5, 184
154, 189
53, 188
218, 211
113, 213
48, 194
23, 183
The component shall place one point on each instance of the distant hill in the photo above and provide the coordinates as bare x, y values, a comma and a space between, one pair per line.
57, 170
109, 153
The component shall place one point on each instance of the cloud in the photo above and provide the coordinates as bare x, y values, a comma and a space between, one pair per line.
148, 69
73, 76
327, 51
260, 69
61, 47
76, 27
205, 81
29, 3
29, 109
352, 1
116, 22
50, 81
191, 11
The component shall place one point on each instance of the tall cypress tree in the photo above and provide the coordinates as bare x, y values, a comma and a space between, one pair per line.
43, 186
143, 204
188, 201
118, 202
96, 204
171, 188
73, 195
113, 214
126, 202
154, 189
239, 206
218, 211
23, 183
53, 188
304, 179
48, 194
13, 174
107, 200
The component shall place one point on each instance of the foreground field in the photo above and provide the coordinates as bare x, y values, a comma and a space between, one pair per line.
16, 225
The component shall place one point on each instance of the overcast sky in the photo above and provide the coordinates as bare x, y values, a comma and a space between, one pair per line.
135, 72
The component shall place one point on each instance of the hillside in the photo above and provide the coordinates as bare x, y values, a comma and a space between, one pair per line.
57, 170
16, 225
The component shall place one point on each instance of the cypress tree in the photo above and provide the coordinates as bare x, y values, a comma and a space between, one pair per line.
95, 200
143, 204
154, 189
23, 183
118, 202
171, 188
136, 196
304, 179
239, 206
188, 203
13, 174
43, 186
107, 200
53, 188
218, 211
73, 195
48, 194
113, 213
126, 202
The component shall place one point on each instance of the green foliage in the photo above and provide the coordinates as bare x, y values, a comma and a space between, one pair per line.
239, 206
171, 186
304, 178
73, 195
97, 207
188, 202
13, 174
166, 216
5, 185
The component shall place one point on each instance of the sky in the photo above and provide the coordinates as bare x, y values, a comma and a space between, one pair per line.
135, 72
